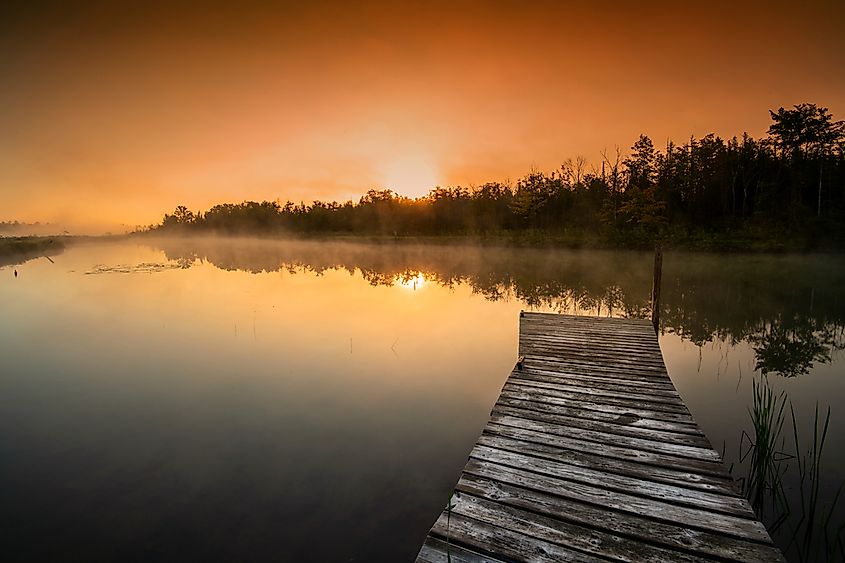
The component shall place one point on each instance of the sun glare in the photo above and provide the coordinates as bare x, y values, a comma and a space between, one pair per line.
411, 176
410, 280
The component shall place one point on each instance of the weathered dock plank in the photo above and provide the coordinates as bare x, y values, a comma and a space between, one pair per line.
590, 454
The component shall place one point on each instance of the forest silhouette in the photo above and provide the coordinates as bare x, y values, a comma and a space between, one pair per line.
787, 186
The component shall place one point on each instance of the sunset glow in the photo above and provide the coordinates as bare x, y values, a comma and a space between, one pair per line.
411, 176
115, 114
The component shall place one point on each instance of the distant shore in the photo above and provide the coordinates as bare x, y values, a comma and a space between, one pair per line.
733, 242
20, 249
17, 250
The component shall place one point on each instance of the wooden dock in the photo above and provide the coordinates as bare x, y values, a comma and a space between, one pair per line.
591, 455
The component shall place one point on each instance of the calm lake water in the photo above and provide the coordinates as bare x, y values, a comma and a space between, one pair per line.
306, 401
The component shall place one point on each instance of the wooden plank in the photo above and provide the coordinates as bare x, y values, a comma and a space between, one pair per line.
617, 333
649, 351
597, 495
590, 453
670, 535
632, 346
575, 354
477, 535
630, 360
435, 550
612, 459
679, 453
571, 323
584, 320
533, 411
579, 321
608, 405
608, 383
560, 532
566, 328
624, 380
555, 362
607, 414
594, 338
595, 396
600, 391
616, 482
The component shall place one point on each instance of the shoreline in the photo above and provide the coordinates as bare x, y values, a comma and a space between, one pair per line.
20, 249
698, 242
35, 246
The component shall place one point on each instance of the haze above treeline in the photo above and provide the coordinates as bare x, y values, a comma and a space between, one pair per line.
120, 111
785, 189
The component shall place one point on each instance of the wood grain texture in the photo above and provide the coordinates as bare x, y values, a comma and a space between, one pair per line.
590, 454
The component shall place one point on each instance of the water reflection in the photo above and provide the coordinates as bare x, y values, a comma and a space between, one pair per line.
785, 312
788, 308
20, 250
792, 351
159, 401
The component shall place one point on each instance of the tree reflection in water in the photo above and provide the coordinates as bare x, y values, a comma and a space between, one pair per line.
787, 307
791, 352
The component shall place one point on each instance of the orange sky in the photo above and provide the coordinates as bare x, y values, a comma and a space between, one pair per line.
114, 116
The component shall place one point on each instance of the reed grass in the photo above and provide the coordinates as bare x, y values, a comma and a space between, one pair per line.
809, 460
765, 477
767, 417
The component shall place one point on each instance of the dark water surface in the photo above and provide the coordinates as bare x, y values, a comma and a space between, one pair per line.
280, 401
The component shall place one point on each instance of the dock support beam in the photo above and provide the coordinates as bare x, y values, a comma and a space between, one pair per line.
655, 288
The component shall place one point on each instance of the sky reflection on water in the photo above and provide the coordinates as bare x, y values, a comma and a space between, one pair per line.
225, 399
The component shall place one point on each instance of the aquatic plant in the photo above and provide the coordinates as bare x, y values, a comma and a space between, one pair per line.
809, 471
767, 417
768, 464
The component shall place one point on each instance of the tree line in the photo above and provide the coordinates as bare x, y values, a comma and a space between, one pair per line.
789, 183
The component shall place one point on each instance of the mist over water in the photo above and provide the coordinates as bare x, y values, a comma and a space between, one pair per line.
223, 399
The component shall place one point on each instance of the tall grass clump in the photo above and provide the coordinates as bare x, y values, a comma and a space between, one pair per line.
767, 417
814, 520
809, 530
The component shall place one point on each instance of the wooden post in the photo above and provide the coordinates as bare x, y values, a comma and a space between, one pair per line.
655, 288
